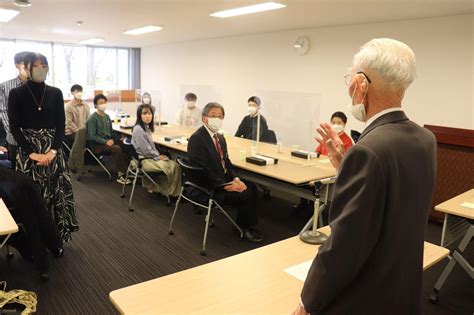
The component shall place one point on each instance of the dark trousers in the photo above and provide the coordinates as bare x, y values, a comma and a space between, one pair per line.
246, 203
119, 152
12, 151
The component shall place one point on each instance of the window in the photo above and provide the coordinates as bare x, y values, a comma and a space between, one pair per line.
95, 68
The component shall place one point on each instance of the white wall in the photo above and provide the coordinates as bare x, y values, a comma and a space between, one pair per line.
238, 66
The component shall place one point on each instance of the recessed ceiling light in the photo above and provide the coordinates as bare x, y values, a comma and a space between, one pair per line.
22, 3
6, 14
143, 30
249, 9
91, 41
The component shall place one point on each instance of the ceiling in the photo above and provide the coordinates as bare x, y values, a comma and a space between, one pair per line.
185, 20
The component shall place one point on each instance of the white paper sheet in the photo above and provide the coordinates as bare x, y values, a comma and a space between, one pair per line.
467, 205
299, 271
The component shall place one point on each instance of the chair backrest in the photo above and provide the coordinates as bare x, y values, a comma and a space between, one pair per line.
355, 135
269, 137
193, 174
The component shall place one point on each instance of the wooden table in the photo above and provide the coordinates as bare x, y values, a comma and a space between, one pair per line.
220, 288
288, 175
458, 223
8, 225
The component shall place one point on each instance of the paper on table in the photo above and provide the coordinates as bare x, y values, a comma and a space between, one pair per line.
299, 271
324, 161
467, 205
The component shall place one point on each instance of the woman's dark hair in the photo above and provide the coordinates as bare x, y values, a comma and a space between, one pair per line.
255, 99
140, 122
340, 115
99, 97
32, 57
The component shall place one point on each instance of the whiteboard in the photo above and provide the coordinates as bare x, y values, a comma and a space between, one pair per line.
292, 115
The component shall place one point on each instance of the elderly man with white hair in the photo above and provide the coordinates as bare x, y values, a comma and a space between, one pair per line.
372, 261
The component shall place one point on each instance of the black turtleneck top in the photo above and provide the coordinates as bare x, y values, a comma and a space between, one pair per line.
23, 112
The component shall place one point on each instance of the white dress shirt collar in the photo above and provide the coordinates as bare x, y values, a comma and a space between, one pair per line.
380, 114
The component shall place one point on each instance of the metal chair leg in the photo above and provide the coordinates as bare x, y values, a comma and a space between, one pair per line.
133, 189
230, 219
125, 184
100, 163
206, 228
170, 232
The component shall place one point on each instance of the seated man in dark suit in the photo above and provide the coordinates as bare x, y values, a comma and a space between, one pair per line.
208, 149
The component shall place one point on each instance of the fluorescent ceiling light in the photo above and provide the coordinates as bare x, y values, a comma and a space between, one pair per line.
22, 3
6, 15
249, 9
91, 41
143, 30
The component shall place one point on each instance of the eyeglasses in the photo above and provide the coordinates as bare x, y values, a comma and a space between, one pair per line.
216, 116
348, 77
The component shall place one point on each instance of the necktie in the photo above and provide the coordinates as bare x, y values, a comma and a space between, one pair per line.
220, 152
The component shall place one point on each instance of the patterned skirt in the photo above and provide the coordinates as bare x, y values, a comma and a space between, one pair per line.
54, 181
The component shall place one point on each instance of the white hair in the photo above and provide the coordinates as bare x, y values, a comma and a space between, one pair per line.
390, 59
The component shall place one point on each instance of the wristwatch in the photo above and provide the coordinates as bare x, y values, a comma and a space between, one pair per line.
54, 151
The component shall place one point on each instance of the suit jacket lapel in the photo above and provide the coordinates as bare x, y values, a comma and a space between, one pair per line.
385, 119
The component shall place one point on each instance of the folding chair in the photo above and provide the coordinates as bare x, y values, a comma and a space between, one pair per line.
98, 160
193, 177
135, 169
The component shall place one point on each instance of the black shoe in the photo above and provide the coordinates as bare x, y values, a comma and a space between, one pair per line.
253, 235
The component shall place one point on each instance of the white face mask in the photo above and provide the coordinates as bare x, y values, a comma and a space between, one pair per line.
338, 128
78, 96
102, 107
214, 123
146, 100
252, 110
358, 110
190, 104
38, 75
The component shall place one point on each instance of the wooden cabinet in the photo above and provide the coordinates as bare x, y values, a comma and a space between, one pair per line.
455, 169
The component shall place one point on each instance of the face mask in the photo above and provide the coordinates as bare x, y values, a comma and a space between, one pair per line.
338, 128
146, 100
102, 107
39, 74
214, 123
78, 96
252, 110
190, 104
358, 110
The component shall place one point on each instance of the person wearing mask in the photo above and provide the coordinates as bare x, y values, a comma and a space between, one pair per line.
152, 160
373, 259
5, 89
77, 112
146, 99
208, 149
103, 140
248, 127
189, 115
37, 122
338, 122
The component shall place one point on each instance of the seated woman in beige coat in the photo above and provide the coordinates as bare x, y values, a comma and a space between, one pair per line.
152, 160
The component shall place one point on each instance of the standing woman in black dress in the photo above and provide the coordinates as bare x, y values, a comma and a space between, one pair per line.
37, 120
